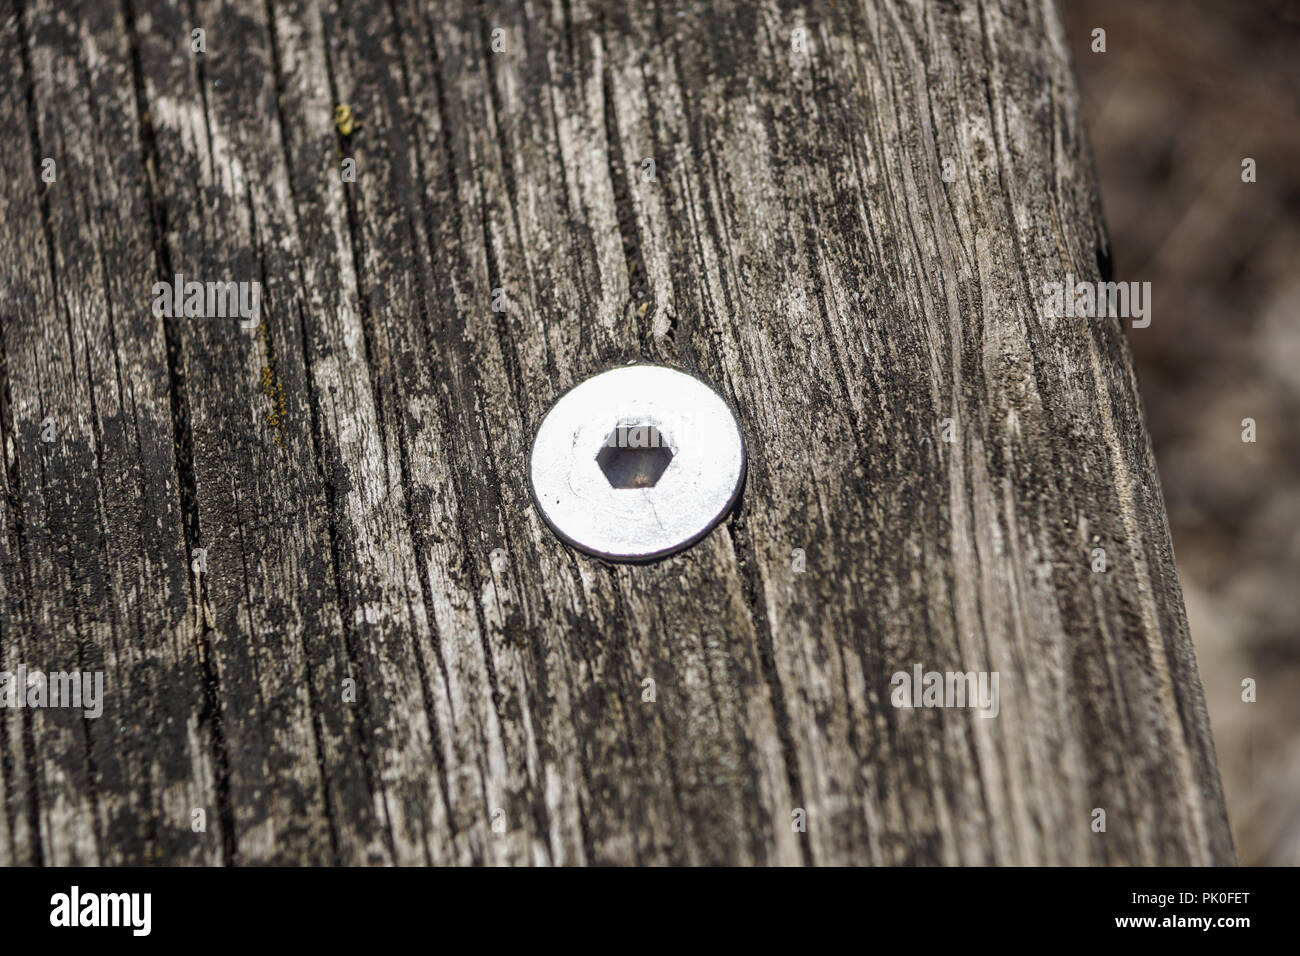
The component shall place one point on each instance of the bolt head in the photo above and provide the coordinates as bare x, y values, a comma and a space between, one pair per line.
637, 463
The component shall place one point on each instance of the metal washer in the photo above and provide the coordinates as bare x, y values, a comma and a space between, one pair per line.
694, 492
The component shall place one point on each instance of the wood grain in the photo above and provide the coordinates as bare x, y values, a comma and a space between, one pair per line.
355, 468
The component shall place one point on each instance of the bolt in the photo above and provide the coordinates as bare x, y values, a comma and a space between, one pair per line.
637, 463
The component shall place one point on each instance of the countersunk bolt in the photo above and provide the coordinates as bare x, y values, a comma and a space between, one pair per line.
637, 463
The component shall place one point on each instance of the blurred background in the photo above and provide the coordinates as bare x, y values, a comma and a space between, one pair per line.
1185, 91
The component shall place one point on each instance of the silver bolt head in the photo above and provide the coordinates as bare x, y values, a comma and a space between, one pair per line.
637, 463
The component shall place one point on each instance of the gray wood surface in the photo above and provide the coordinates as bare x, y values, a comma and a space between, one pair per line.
355, 468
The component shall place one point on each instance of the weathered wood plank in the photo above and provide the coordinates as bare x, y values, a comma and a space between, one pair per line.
283, 635
354, 469
97, 549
